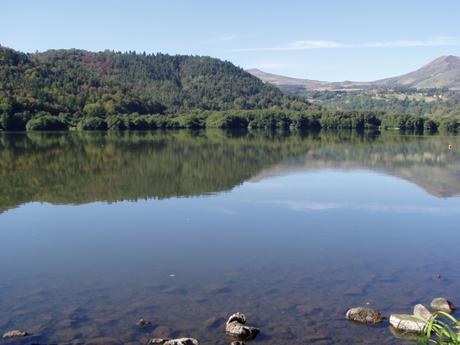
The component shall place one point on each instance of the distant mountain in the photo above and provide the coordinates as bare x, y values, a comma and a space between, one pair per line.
443, 72
286, 83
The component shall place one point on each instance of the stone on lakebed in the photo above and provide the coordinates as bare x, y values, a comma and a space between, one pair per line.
364, 315
407, 323
422, 312
236, 327
14, 334
442, 304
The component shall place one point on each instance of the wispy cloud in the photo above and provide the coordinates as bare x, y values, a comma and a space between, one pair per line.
223, 38
265, 65
324, 44
320, 206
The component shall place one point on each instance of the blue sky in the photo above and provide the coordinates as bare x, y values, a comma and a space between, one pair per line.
326, 40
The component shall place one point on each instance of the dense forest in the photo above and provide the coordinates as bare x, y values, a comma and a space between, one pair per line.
76, 89
69, 85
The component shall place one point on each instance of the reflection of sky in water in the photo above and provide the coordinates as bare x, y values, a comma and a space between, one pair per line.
305, 224
357, 190
254, 216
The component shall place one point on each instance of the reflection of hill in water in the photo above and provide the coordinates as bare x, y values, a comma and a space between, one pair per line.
425, 162
86, 167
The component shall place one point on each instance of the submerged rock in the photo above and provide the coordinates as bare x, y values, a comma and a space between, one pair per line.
407, 323
164, 332
422, 312
14, 334
214, 322
442, 304
236, 327
364, 315
143, 322
179, 341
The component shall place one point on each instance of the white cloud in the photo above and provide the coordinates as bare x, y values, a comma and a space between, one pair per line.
270, 65
323, 44
223, 39
320, 206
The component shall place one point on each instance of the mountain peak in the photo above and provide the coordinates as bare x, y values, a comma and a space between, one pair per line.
449, 59
439, 73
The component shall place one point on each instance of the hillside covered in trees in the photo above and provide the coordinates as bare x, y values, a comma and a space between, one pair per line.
73, 84
76, 89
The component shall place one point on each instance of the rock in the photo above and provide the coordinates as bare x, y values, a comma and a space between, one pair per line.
179, 341
14, 334
236, 327
143, 322
407, 323
422, 312
442, 304
364, 315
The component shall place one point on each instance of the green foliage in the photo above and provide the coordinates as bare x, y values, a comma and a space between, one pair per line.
451, 124
442, 329
13, 122
83, 83
92, 124
426, 102
116, 123
47, 123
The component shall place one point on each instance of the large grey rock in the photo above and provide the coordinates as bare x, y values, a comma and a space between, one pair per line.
442, 304
422, 312
236, 327
179, 341
14, 334
407, 323
364, 315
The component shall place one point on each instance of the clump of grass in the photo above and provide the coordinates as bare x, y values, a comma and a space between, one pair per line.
442, 329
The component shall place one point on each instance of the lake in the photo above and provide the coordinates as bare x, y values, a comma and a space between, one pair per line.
185, 228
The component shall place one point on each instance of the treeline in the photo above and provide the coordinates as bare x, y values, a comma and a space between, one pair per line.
75, 84
426, 102
312, 119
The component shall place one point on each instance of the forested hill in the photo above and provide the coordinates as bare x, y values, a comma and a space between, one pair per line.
103, 83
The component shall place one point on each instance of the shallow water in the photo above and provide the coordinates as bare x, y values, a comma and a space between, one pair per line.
98, 230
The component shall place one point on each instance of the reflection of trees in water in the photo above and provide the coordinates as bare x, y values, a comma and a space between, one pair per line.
85, 167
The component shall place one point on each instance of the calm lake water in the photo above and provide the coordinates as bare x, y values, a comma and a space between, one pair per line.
100, 229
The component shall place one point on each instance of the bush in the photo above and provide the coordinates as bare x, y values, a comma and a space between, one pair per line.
12, 122
116, 123
92, 124
47, 123
137, 122
449, 124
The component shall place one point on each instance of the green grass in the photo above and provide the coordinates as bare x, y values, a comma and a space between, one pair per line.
442, 329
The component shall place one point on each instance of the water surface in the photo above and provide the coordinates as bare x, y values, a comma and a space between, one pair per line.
183, 229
